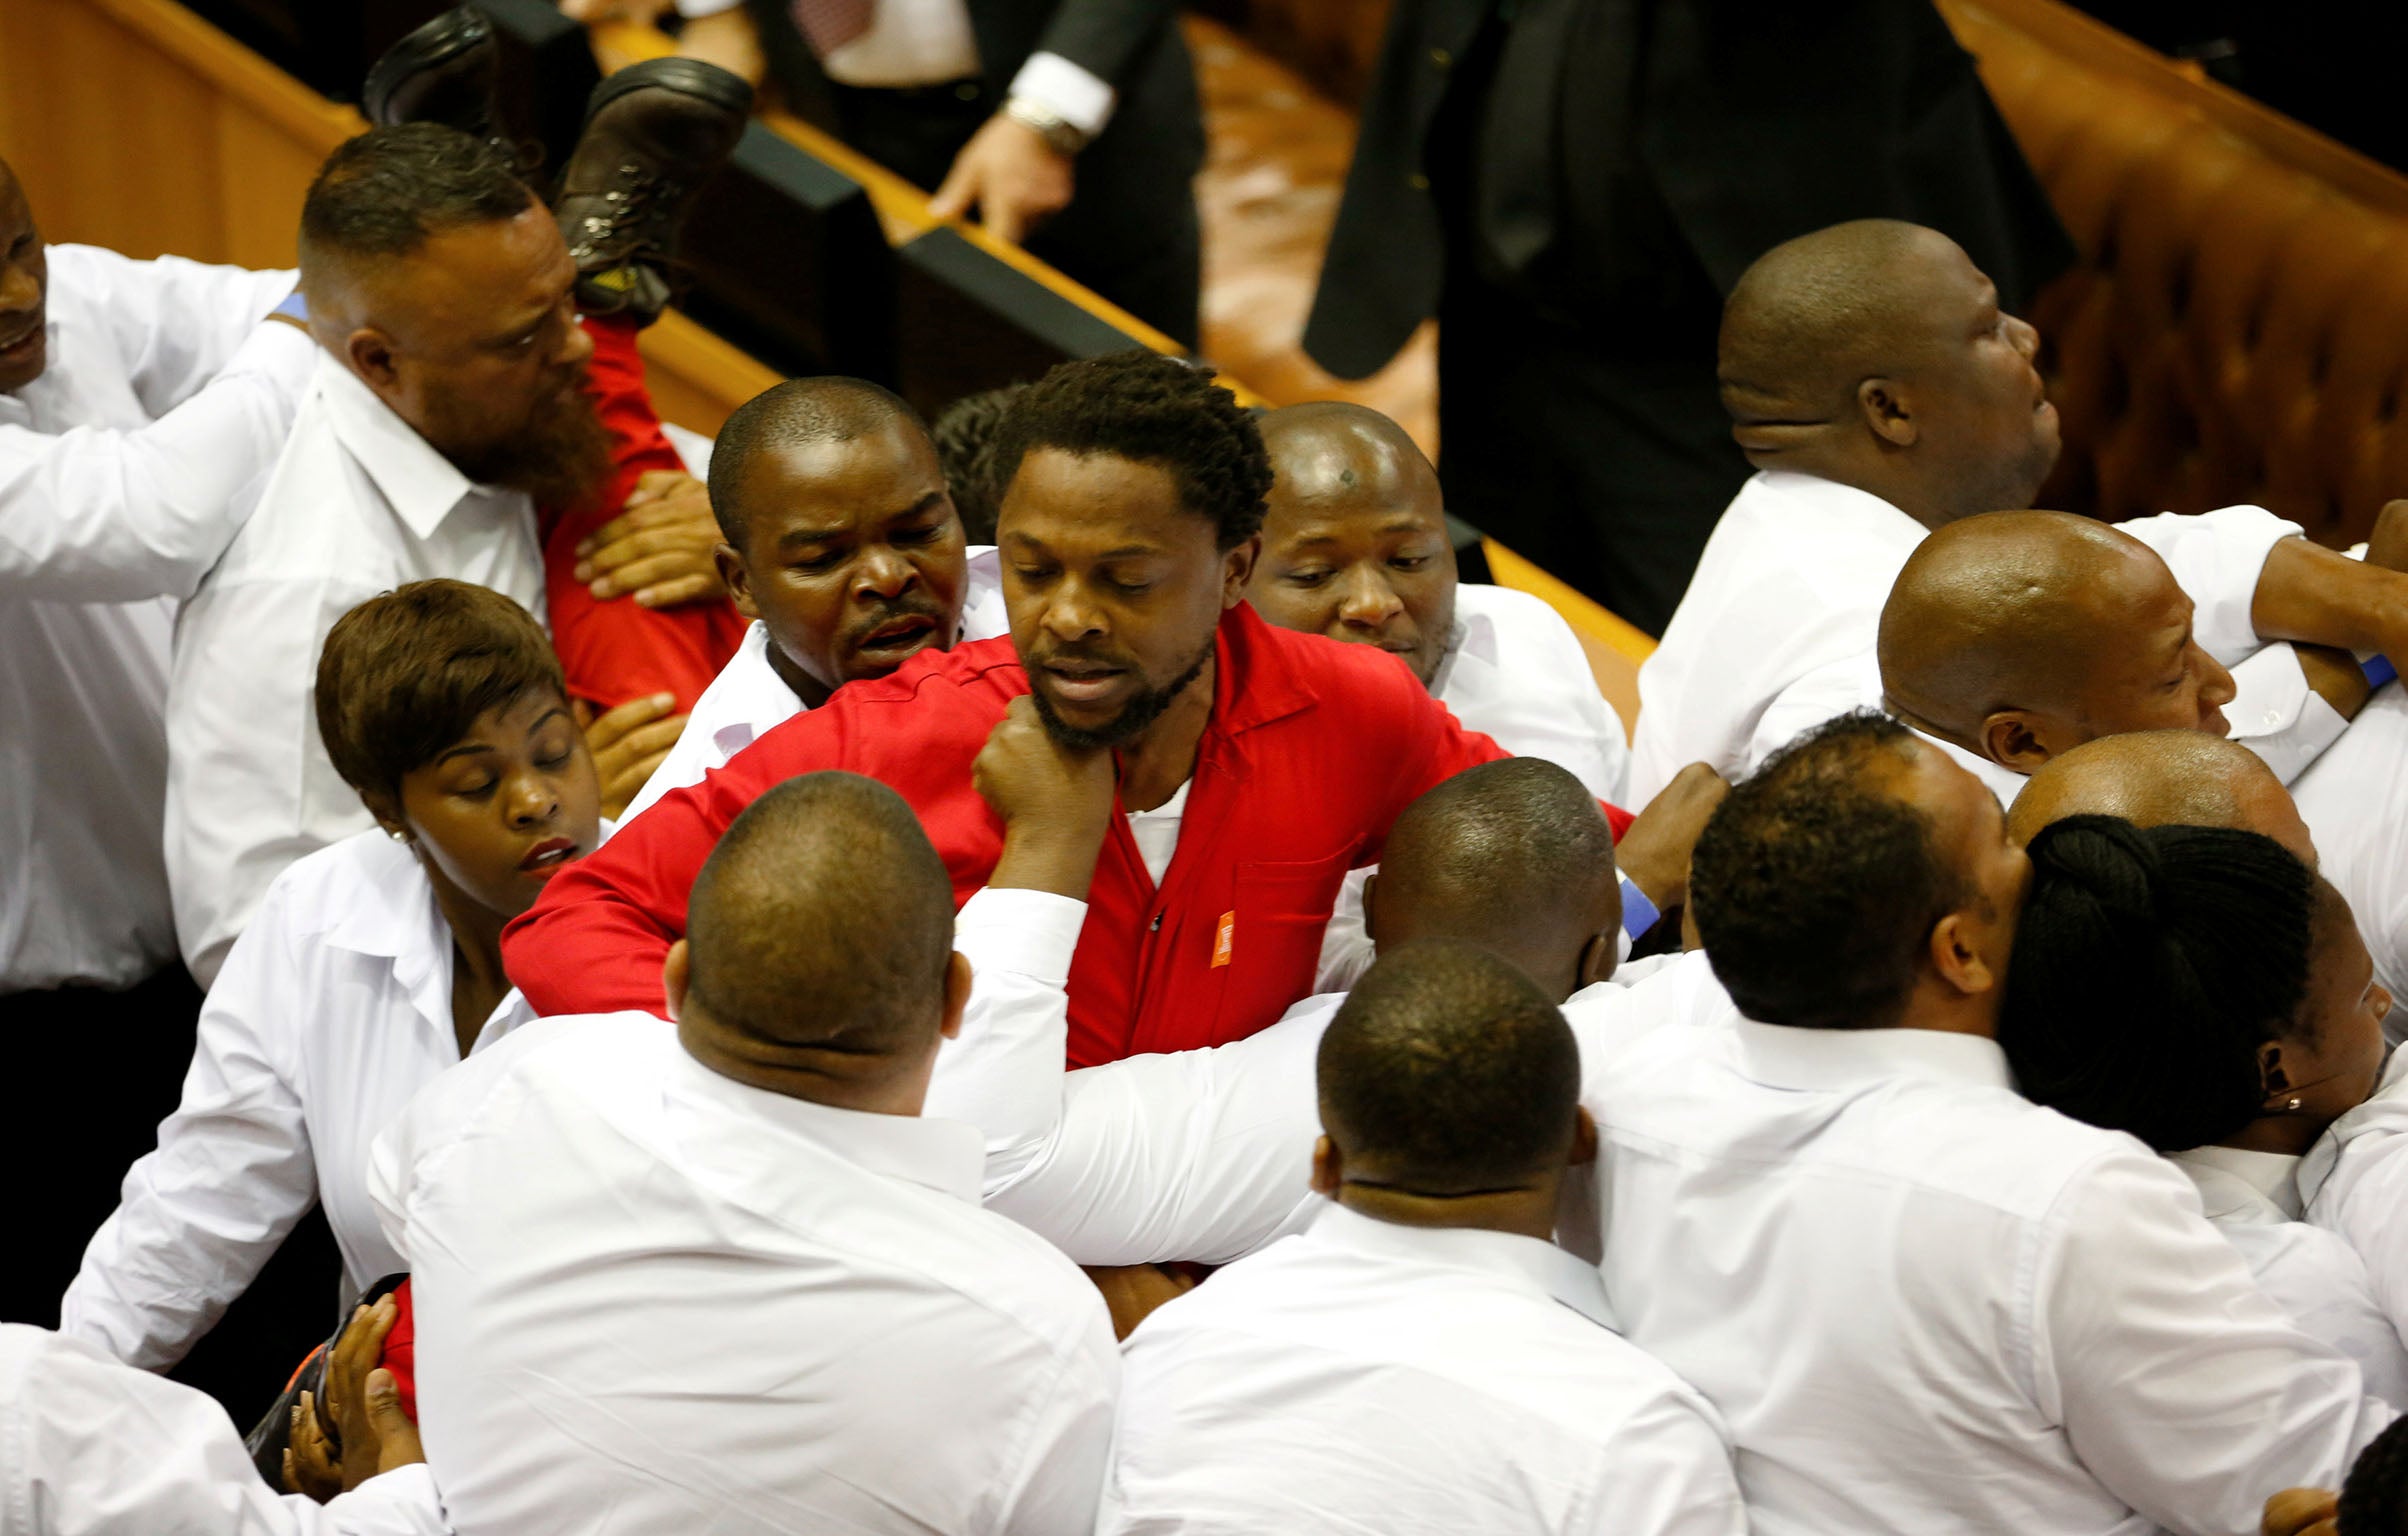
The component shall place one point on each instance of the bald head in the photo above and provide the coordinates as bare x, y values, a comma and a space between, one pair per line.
1513, 856
2163, 779
800, 415
1355, 542
822, 923
24, 289
2019, 635
1873, 353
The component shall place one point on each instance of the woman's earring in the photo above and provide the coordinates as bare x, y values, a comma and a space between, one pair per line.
399, 836
2293, 1102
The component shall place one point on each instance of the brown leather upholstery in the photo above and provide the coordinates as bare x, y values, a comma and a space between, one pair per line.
2238, 330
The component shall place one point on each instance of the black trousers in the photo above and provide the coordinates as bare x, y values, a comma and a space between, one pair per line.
1151, 266
1607, 465
90, 1076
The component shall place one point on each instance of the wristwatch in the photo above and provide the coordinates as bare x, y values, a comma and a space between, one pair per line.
1057, 131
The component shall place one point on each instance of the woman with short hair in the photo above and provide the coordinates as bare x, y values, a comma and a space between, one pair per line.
373, 964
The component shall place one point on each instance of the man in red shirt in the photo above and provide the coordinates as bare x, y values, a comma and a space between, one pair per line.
1254, 766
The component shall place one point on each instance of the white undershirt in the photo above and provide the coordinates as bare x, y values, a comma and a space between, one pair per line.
1157, 832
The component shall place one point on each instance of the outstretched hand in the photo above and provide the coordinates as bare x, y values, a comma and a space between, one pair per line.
627, 744
1654, 853
662, 549
1012, 177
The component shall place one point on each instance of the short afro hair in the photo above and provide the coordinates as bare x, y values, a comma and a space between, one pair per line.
1816, 888
827, 409
965, 446
1149, 409
1448, 1071
406, 674
385, 192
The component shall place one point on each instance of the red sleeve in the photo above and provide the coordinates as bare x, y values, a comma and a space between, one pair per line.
596, 940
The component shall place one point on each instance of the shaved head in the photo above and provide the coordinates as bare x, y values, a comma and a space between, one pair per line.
2163, 779
1513, 856
823, 921
2019, 635
1355, 542
1873, 353
798, 414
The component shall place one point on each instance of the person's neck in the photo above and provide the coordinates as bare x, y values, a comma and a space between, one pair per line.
1526, 1212
1899, 490
1163, 757
478, 979
1942, 1009
871, 1083
2284, 1135
807, 688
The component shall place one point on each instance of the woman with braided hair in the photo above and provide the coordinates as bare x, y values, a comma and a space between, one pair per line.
2202, 989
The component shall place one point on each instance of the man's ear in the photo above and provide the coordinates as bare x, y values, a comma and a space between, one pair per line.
677, 973
737, 578
2017, 739
1958, 959
1887, 413
1584, 1139
1598, 957
1329, 1168
370, 353
1237, 569
958, 980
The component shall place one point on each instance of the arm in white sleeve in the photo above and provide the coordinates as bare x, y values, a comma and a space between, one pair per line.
93, 515
2217, 558
1004, 1072
91, 1447
232, 1173
178, 323
2277, 715
2180, 1384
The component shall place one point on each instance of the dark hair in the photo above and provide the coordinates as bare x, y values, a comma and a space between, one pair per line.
827, 409
824, 918
407, 673
1816, 888
2374, 1500
1154, 410
385, 192
1449, 1069
1500, 851
965, 445
2150, 964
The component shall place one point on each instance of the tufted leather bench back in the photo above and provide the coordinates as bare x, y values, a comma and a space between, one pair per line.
2238, 327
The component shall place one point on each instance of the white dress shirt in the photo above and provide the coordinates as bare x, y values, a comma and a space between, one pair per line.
334, 1008
2273, 712
1514, 670
1794, 576
2312, 1274
164, 395
2355, 802
748, 699
358, 504
1922, 1303
1365, 1376
652, 1299
2354, 1182
931, 42
89, 1447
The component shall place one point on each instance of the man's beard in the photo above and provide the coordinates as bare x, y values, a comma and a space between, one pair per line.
560, 457
1141, 711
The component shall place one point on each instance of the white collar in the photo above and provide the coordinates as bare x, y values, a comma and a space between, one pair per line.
1861, 508
947, 1156
1474, 635
1523, 1261
1780, 1056
2239, 1179
392, 916
422, 485
2386, 1110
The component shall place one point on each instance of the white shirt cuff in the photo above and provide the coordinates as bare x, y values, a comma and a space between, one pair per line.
1030, 933
1064, 89
691, 9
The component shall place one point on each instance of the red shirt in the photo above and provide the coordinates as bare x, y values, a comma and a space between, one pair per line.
1312, 749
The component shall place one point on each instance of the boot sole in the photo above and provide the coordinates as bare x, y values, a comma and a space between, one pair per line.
437, 43
689, 77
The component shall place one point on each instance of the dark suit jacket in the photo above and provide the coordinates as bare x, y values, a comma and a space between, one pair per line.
1756, 122
1134, 179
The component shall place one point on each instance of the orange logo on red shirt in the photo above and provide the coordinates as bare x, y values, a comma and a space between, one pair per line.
1220, 942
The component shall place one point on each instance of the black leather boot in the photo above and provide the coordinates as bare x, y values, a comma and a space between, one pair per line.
654, 132
441, 73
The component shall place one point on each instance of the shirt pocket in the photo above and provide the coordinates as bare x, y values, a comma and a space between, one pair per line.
1270, 939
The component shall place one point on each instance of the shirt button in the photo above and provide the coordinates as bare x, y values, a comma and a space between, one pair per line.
1418, 182
1156, 925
